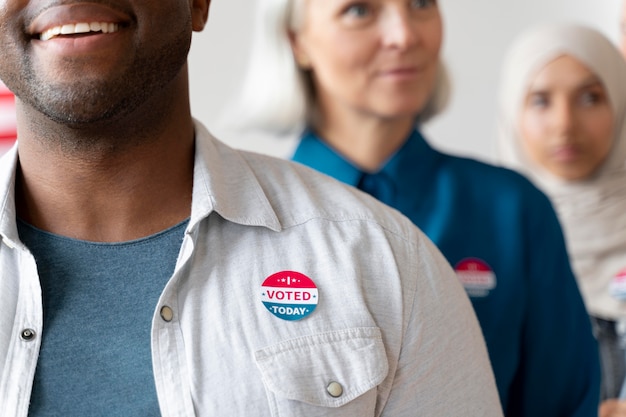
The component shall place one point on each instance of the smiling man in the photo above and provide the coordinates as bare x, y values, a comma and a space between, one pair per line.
147, 269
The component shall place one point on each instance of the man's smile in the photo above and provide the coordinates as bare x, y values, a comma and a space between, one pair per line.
79, 28
77, 19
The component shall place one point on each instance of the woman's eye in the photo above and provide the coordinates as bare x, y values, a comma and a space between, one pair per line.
589, 98
357, 10
538, 100
422, 4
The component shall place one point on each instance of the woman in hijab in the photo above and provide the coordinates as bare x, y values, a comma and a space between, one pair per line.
359, 79
562, 123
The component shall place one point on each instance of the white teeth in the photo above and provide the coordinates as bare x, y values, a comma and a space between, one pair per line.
82, 28
109, 27
73, 28
68, 29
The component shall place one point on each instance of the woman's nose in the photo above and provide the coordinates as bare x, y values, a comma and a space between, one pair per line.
399, 30
563, 117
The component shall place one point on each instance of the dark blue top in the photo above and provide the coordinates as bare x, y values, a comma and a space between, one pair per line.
502, 236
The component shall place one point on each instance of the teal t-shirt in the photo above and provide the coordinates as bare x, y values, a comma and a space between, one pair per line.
99, 299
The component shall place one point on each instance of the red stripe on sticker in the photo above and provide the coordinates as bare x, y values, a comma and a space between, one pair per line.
473, 264
476, 276
290, 279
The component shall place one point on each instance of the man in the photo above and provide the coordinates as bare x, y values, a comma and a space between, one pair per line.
147, 269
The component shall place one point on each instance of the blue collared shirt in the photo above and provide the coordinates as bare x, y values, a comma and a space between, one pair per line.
503, 238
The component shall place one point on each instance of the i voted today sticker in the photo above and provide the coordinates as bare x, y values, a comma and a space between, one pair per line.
289, 295
617, 288
476, 276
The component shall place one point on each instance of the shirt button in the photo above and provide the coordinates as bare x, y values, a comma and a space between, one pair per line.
334, 389
27, 335
167, 314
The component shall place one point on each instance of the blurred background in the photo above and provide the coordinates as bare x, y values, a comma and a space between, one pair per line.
477, 34
7, 118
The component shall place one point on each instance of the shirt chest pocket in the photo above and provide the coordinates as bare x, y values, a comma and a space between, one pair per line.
327, 374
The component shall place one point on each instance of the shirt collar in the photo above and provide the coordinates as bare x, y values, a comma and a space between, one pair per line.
415, 155
315, 153
8, 214
223, 182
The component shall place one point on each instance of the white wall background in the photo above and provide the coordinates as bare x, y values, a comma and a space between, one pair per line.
477, 33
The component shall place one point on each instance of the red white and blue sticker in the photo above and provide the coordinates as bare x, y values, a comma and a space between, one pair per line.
289, 295
477, 277
617, 287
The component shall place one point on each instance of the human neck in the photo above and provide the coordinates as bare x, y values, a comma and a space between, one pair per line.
365, 140
132, 180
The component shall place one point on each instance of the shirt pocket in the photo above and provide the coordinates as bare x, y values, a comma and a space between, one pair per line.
329, 374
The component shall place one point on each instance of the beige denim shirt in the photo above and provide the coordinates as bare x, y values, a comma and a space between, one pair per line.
381, 328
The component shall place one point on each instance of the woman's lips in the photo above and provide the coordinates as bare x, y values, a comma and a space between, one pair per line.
565, 153
401, 73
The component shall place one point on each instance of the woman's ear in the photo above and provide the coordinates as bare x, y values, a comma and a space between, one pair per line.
199, 14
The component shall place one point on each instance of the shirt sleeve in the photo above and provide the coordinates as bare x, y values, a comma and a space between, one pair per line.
443, 367
563, 380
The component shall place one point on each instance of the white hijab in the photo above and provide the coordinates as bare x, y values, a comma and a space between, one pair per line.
592, 211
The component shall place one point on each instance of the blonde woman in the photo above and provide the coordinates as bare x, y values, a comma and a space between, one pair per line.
358, 79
